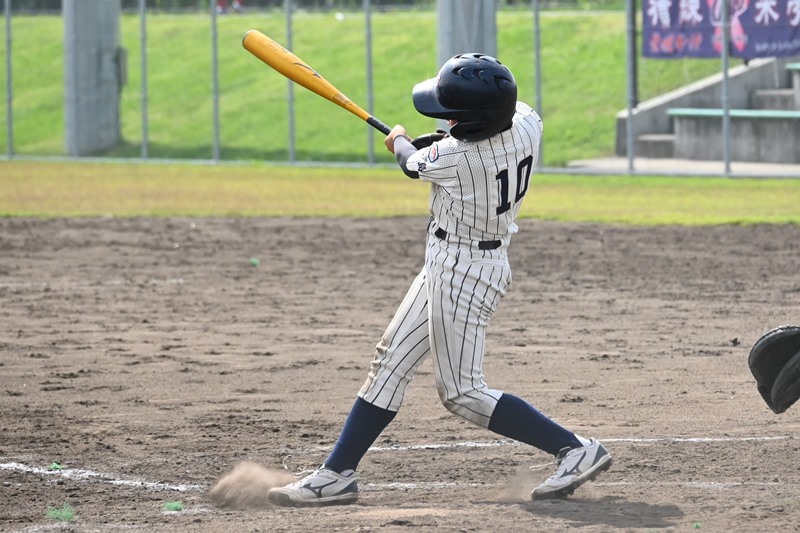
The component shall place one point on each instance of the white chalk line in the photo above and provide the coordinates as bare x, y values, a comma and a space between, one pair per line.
705, 485
89, 475
714, 485
59, 284
95, 527
500, 443
111, 479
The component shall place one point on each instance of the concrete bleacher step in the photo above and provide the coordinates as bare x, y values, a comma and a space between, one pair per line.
794, 70
778, 99
764, 135
655, 145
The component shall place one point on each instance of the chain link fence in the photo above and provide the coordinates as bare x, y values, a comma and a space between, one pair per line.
55, 6
190, 92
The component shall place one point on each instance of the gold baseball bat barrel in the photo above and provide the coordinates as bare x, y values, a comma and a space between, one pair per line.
294, 68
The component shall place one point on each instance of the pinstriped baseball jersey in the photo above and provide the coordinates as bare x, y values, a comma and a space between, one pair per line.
476, 192
477, 188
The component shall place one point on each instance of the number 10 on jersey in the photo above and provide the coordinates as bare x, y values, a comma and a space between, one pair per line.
524, 169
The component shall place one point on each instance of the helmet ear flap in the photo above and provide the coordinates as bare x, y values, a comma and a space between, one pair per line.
471, 131
462, 130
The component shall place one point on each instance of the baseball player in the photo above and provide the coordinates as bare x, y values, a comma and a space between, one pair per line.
479, 174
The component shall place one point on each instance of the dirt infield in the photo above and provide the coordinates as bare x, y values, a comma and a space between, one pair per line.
150, 357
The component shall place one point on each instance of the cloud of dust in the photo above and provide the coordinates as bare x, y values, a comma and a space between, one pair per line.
518, 488
247, 485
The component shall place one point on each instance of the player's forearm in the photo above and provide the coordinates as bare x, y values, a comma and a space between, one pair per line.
403, 149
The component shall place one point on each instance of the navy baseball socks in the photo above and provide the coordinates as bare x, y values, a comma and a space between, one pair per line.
363, 426
517, 419
578, 460
336, 481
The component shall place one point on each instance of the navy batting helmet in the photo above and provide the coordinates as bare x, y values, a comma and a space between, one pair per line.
474, 89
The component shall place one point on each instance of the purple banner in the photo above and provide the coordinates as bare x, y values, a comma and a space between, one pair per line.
693, 28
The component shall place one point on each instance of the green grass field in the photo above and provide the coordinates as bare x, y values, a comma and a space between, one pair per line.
126, 190
583, 65
584, 86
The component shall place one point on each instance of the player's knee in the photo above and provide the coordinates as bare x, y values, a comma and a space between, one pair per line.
456, 408
470, 405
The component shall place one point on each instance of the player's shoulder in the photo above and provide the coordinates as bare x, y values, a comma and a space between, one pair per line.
525, 114
444, 153
524, 111
449, 146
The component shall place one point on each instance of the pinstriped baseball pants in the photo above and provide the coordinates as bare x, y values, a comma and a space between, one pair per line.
444, 315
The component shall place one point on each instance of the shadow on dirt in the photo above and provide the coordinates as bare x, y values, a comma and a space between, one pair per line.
614, 512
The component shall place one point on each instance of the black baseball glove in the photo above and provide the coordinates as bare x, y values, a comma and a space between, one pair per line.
775, 363
423, 141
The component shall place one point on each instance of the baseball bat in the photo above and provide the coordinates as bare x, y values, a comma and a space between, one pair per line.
291, 66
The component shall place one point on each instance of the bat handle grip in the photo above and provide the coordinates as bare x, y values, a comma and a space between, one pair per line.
378, 125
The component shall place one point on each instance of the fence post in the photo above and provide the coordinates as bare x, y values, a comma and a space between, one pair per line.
287, 6
144, 96
9, 85
215, 80
726, 104
631, 46
94, 74
537, 55
370, 94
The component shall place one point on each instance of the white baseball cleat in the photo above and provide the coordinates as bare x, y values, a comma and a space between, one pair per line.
322, 487
575, 467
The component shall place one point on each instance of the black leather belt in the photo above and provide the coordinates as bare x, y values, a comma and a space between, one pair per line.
482, 245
